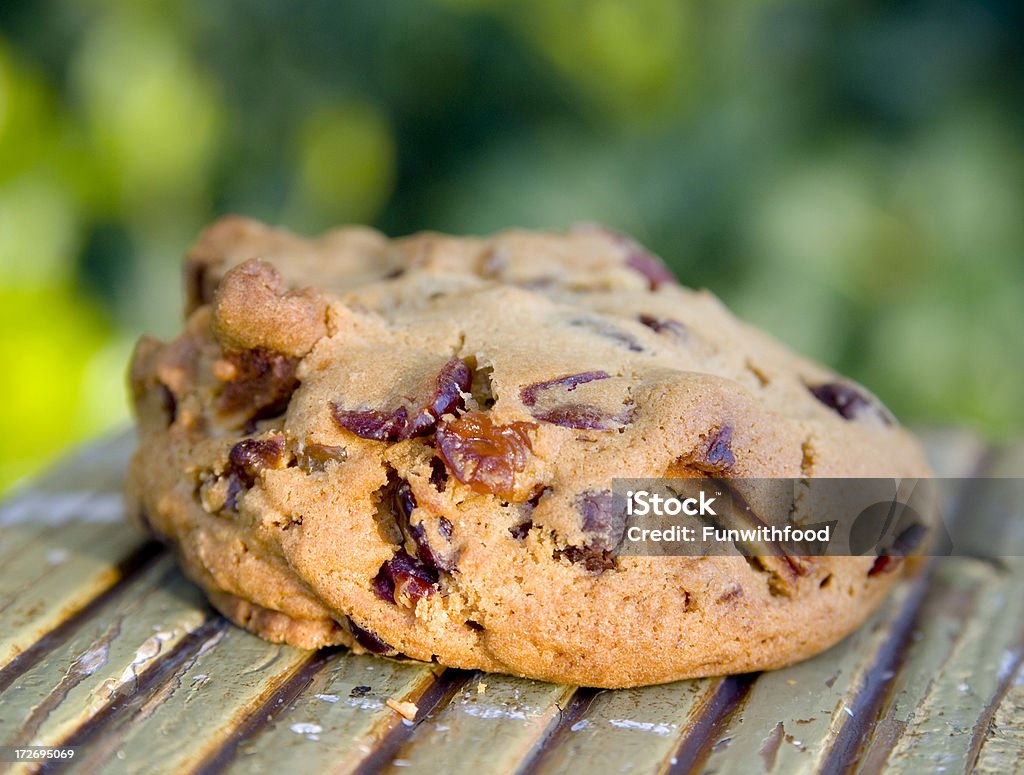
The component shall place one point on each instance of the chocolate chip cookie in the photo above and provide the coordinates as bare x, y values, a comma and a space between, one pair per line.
406, 447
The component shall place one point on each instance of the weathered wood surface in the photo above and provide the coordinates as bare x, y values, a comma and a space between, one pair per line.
106, 647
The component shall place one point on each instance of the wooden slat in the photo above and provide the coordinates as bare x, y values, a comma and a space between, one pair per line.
1003, 749
632, 730
178, 723
63, 543
492, 725
339, 719
107, 656
792, 718
966, 650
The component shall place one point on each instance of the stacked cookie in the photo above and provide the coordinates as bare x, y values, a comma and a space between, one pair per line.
406, 447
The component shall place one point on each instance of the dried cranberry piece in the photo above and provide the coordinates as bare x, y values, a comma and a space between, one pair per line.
641, 259
397, 425
579, 416
846, 400
438, 474
404, 502
250, 456
372, 424
484, 455
651, 267
719, 455
452, 381
593, 560
430, 559
885, 563
664, 325
262, 383
520, 531
370, 641
570, 382
383, 586
601, 521
444, 527
404, 580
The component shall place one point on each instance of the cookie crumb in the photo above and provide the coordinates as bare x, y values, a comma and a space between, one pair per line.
406, 710
481, 688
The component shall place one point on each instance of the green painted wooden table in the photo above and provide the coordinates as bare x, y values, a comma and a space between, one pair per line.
105, 647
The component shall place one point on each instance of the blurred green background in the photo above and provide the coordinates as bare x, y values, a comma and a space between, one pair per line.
849, 175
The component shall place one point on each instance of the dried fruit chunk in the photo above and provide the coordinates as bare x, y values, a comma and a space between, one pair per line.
371, 423
585, 417
259, 382
849, 402
404, 580
716, 456
665, 326
317, 457
398, 424
593, 560
651, 267
370, 641
250, 456
603, 524
484, 455
640, 259
529, 394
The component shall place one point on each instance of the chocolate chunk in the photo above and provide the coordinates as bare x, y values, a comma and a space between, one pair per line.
262, 383
849, 402
360, 691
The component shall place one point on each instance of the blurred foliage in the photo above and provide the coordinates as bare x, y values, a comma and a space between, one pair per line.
848, 175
